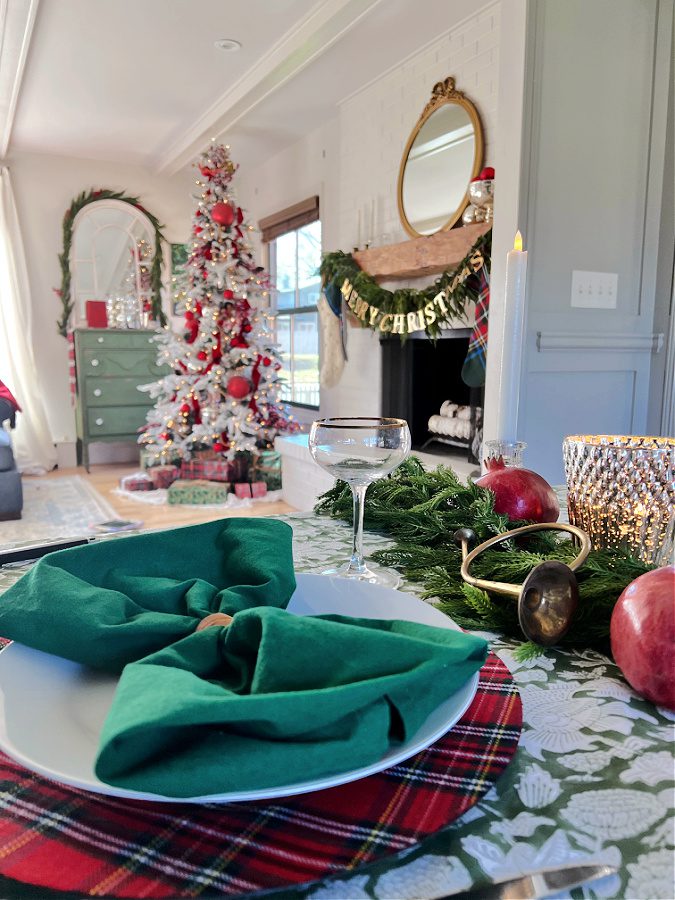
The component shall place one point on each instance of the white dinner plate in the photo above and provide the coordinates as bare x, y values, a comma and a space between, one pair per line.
52, 710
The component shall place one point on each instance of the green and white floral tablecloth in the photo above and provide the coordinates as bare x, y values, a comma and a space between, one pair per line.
593, 778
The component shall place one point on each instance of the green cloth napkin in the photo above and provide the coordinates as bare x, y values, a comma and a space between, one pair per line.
271, 699
277, 699
114, 601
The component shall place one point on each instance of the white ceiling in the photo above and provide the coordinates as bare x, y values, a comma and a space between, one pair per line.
140, 81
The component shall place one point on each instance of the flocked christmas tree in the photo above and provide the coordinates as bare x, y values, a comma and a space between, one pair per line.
222, 394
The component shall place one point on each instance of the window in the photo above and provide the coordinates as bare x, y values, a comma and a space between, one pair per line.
295, 257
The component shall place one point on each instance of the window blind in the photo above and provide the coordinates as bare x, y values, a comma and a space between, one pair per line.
289, 219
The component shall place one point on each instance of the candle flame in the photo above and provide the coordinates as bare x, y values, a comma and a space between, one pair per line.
518, 241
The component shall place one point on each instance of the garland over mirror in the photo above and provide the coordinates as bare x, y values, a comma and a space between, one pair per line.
65, 292
407, 310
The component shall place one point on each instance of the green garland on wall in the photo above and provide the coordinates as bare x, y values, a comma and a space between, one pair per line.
455, 286
64, 292
422, 510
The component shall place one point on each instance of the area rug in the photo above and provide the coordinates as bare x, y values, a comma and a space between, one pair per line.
56, 508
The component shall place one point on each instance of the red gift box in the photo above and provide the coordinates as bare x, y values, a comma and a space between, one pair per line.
163, 476
250, 489
138, 481
206, 470
97, 317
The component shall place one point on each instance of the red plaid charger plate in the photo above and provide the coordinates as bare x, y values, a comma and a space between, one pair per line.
70, 840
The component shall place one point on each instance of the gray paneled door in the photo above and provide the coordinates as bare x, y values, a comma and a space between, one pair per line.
598, 155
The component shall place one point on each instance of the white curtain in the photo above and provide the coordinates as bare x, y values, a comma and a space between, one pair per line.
33, 446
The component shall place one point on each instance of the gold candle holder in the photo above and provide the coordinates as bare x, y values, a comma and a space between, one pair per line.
621, 491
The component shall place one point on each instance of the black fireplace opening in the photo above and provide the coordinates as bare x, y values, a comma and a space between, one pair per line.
418, 377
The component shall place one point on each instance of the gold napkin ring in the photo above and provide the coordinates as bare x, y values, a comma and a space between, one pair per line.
214, 619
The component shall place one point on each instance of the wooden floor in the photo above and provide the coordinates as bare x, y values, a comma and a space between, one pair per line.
105, 478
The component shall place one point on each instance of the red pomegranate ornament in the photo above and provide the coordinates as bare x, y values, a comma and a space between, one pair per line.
642, 635
520, 493
222, 213
238, 387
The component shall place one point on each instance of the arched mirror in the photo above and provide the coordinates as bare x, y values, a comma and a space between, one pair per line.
443, 153
112, 254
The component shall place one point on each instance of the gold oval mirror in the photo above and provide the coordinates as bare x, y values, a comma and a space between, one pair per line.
443, 153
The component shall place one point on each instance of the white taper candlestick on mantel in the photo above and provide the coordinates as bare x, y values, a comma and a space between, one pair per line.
512, 340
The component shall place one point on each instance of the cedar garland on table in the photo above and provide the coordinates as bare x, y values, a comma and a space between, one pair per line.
421, 510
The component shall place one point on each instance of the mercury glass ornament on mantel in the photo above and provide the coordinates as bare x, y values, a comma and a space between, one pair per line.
621, 491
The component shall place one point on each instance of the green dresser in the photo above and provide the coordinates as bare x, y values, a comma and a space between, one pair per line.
110, 365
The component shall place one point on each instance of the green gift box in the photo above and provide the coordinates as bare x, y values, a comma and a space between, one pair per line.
198, 491
267, 468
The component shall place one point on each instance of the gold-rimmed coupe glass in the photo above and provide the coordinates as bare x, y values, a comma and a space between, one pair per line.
360, 450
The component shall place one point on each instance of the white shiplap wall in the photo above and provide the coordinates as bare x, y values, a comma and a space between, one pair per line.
374, 125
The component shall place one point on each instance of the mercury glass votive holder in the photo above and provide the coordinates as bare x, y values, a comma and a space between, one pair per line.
621, 491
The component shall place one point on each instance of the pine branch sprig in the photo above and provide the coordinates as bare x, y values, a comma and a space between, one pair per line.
422, 510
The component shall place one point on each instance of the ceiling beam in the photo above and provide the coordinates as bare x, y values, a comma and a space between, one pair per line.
297, 48
17, 18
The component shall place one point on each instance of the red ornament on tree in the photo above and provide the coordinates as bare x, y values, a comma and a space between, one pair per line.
222, 213
239, 387
201, 355
228, 295
266, 361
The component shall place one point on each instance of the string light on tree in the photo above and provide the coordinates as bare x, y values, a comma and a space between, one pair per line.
222, 395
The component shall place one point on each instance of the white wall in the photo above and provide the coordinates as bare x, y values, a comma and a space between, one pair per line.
353, 162
44, 188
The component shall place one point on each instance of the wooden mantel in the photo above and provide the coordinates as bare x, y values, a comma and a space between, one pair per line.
420, 256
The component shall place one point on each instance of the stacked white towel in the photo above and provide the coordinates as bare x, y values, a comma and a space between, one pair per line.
455, 428
452, 410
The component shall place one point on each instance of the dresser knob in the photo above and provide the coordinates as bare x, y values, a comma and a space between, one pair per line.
98, 392
100, 340
99, 421
94, 362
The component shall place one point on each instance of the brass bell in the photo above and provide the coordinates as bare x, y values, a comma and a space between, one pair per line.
548, 598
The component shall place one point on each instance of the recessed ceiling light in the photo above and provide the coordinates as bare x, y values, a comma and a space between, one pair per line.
228, 44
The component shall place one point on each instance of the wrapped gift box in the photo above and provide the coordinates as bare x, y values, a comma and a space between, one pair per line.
206, 469
137, 481
198, 491
163, 476
250, 489
267, 467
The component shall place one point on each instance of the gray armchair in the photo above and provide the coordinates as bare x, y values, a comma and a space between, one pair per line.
11, 493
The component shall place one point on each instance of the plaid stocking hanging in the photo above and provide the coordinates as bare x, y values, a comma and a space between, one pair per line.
473, 370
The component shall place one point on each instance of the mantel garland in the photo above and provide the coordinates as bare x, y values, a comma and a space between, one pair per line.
421, 510
79, 203
407, 310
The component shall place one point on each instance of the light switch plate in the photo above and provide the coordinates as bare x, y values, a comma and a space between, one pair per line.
594, 290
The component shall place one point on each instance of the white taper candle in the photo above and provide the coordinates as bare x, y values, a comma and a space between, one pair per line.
513, 338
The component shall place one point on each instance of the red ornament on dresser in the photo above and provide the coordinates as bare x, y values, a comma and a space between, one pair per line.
222, 213
642, 635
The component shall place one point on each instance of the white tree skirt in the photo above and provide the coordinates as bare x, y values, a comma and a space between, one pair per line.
160, 496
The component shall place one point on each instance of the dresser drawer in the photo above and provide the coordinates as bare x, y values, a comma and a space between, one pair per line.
130, 363
109, 420
115, 392
108, 338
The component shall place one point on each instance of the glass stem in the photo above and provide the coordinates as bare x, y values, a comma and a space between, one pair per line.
359, 495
